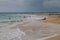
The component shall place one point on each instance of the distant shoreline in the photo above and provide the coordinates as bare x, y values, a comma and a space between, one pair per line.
29, 12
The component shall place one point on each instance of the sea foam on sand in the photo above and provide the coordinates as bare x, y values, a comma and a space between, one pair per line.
11, 34
15, 34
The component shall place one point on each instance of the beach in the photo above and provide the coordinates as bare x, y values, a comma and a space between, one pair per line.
40, 30
32, 28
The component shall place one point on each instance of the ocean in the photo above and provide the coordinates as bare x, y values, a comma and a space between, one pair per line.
10, 23
9, 18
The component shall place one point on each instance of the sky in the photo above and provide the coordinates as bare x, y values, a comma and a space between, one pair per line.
29, 5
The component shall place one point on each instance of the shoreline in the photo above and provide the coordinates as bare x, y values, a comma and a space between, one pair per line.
6, 29
26, 20
33, 26
34, 29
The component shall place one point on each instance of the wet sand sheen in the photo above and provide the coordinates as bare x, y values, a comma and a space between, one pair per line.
54, 38
39, 29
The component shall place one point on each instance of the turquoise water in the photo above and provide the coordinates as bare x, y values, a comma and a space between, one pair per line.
9, 16
6, 18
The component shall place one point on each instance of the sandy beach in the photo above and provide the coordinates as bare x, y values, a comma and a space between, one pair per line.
40, 30
33, 30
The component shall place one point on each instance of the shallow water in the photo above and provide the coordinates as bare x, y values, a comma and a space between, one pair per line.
6, 22
8, 30
8, 18
11, 18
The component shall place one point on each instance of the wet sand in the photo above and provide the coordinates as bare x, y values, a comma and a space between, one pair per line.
54, 38
43, 29
39, 30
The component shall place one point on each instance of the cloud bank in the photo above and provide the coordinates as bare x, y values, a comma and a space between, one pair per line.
52, 5
29, 5
11, 5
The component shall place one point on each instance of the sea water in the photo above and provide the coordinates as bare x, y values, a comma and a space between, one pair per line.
9, 17
6, 18
7, 21
11, 20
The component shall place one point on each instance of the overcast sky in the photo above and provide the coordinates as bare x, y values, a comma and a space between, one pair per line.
29, 5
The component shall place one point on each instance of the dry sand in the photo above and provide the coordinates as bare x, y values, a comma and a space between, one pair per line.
54, 38
52, 18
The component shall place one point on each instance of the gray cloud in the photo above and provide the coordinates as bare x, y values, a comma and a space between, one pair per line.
51, 3
11, 5
29, 5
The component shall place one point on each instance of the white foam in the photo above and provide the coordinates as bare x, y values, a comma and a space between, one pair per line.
12, 34
16, 33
